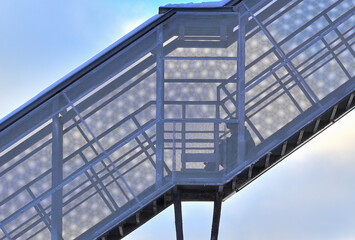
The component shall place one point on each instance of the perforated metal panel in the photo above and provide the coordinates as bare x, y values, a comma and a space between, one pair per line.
193, 101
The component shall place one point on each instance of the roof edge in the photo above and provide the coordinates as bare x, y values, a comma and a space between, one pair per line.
163, 10
200, 7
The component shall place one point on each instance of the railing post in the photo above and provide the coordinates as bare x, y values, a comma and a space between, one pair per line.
57, 177
216, 131
217, 207
241, 86
178, 215
174, 153
160, 108
183, 136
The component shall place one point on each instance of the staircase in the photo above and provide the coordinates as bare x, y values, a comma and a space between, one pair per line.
152, 121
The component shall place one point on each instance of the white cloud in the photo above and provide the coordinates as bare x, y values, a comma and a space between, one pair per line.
130, 25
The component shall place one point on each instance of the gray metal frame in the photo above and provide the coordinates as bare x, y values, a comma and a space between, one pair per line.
162, 109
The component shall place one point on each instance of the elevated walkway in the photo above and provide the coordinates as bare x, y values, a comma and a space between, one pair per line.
192, 106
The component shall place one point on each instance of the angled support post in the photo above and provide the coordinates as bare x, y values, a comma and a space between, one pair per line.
160, 108
217, 213
178, 215
241, 148
57, 177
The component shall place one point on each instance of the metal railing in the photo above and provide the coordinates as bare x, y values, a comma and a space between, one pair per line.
165, 111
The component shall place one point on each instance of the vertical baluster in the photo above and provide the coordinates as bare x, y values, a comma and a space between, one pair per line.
174, 152
160, 108
183, 136
241, 87
216, 131
57, 177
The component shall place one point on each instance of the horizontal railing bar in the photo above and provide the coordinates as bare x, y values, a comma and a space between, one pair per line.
108, 157
34, 234
201, 58
269, 87
207, 120
171, 102
28, 185
195, 80
76, 174
324, 54
68, 193
81, 191
279, 94
107, 131
269, 95
325, 61
309, 23
23, 188
187, 148
27, 143
309, 93
324, 32
196, 131
191, 140
38, 221
85, 104
202, 120
31, 154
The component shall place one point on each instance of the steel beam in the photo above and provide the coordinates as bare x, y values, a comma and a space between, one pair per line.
57, 177
216, 214
242, 20
159, 108
178, 215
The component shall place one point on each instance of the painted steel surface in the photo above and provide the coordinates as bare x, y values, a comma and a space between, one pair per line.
193, 101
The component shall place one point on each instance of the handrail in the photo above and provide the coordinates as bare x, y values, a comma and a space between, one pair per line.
122, 148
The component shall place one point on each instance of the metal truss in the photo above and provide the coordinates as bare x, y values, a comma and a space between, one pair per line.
195, 99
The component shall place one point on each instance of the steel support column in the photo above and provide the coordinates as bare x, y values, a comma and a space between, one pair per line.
57, 177
242, 20
216, 215
178, 215
160, 108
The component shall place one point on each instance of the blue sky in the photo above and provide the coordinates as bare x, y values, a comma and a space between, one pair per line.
309, 195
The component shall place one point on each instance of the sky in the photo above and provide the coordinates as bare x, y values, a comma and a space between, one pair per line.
309, 195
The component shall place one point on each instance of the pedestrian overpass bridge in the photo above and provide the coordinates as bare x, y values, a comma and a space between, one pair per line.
191, 106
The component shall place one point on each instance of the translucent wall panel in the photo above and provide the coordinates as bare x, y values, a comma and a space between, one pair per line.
200, 90
25, 175
293, 61
194, 101
107, 125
